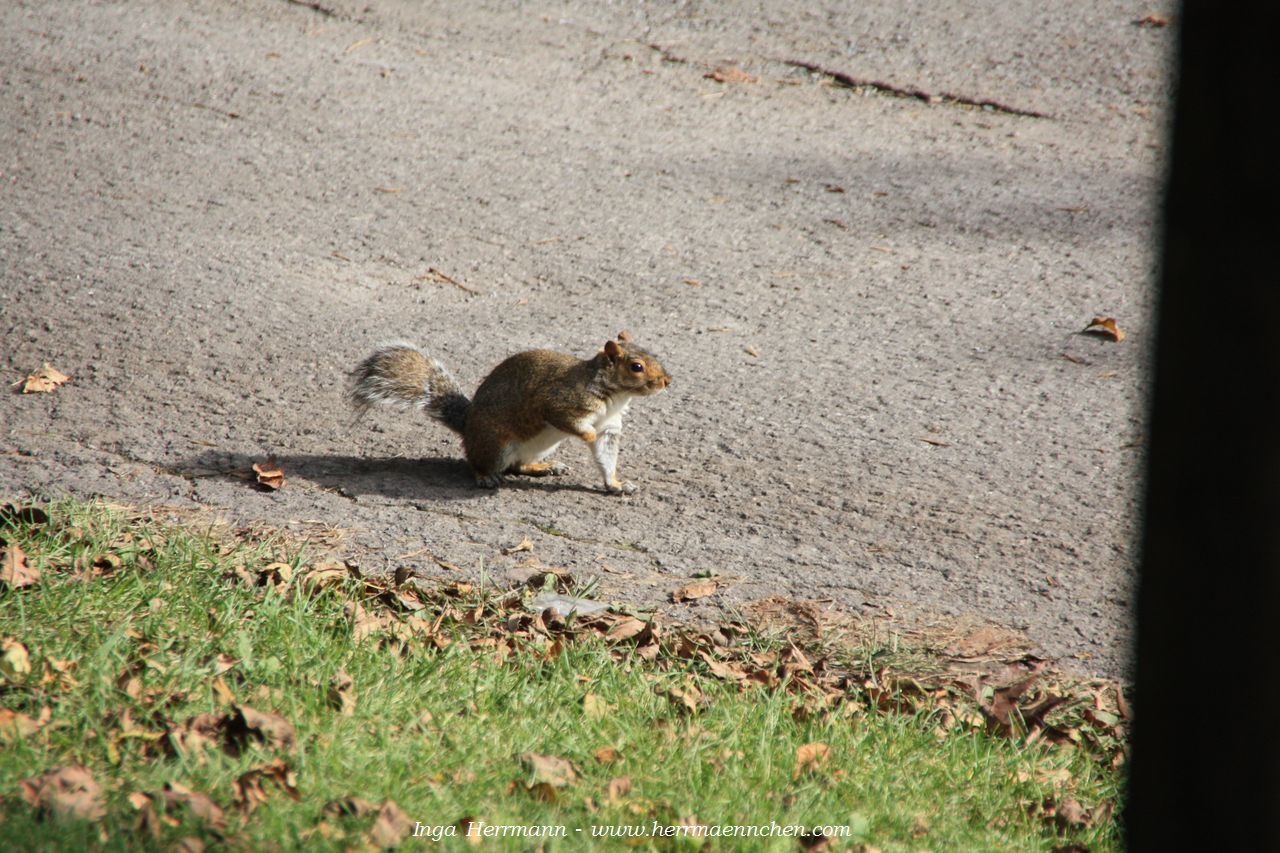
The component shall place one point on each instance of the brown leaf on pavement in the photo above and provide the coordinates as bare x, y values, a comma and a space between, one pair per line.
731, 74
1105, 326
269, 474
44, 380
692, 591
525, 545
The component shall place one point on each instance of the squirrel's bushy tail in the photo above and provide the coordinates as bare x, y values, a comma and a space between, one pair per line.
398, 375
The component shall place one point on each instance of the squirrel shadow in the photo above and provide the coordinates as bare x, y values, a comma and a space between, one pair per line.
355, 476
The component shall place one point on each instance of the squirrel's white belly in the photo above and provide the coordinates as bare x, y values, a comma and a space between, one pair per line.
544, 443
540, 446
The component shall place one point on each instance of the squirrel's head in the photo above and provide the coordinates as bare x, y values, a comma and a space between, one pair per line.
633, 368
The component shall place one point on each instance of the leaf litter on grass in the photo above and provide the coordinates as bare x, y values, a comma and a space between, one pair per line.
690, 670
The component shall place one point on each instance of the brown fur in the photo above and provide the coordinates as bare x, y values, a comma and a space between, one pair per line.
517, 401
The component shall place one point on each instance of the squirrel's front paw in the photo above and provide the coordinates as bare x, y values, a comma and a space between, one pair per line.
620, 487
488, 481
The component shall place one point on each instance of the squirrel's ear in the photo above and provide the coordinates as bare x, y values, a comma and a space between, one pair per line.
612, 349
625, 336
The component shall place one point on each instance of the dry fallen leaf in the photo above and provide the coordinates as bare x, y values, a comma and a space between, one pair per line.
549, 769
471, 828
148, 823
44, 380
687, 699
341, 696
195, 734
594, 707
525, 545
248, 791
617, 788
272, 729
722, 669
15, 571
270, 474
625, 629
1067, 814
321, 575
689, 592
68, 793
349, 806
811, 757
390, 826
731, 74
607, 755
16, 726
1105, 326
15, 663
1154, 21
200, 805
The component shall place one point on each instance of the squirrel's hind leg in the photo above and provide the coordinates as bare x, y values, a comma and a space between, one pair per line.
540, 469
529, 457
488, 457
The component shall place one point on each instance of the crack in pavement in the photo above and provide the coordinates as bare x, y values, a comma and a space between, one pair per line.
847, 81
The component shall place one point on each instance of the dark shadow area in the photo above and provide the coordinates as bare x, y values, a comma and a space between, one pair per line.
389, 477
1206, 755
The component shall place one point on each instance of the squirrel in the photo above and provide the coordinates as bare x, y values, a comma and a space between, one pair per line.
524, 408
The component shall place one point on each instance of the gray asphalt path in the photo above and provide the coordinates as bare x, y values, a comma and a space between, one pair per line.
870, 297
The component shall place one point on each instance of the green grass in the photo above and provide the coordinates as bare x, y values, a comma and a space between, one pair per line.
170, 630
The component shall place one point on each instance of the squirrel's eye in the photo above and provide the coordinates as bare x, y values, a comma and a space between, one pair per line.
637, 367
